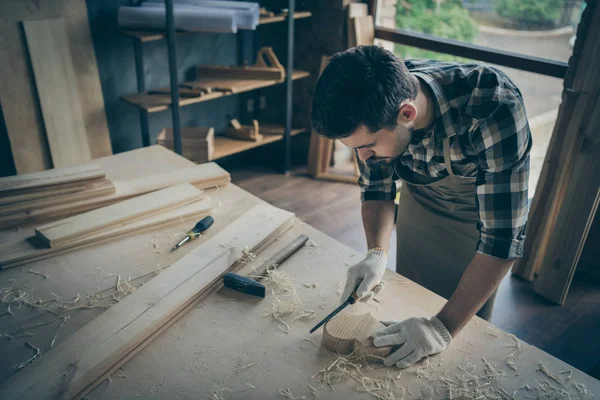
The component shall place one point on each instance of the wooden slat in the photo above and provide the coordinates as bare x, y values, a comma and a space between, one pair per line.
364, 30
73, 368
53, 177
27, 250
52, 64
225, 146
95, 188
67, 230
201, 176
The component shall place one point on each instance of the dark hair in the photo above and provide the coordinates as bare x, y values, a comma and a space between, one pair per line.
360, 86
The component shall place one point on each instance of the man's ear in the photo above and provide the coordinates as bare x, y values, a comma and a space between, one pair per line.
408, 113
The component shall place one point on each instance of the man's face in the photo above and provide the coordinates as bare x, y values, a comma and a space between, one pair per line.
383, 146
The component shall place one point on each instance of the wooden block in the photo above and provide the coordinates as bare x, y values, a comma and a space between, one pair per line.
66, 230
201, 176
197, 144
267, 67
34, 181
244, 132
364, 30
76, 366
53, 69
347, 333
29, 250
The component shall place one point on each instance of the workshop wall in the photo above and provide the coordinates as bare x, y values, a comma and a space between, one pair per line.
116, 65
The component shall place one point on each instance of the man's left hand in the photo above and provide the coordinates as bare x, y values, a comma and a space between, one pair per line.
417, 338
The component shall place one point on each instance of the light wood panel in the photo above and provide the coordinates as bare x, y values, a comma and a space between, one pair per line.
66, 230
74, 368
27, 250
34, 181
57, 91
18, 95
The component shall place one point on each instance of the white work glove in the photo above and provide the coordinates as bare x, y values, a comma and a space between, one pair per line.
366, 275
418, 338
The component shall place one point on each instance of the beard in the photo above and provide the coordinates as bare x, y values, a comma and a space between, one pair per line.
403, 135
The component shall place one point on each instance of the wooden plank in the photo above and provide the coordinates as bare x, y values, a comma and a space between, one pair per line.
201, 176
52, 64
96, 188
66, 230
73, 368
53, 177
364, 30
355, 10
582, 79
27, 250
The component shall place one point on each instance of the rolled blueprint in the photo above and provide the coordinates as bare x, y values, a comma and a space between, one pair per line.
185, 18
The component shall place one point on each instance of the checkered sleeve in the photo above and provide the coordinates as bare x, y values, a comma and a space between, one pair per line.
376, 181
503, 143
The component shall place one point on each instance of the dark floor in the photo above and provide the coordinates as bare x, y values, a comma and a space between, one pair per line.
570, 332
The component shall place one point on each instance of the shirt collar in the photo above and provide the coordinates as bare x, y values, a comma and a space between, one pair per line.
442, 126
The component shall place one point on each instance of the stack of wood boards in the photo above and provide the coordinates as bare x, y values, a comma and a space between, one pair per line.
61, 186
131, 216
197, 144
75, 367
201, 176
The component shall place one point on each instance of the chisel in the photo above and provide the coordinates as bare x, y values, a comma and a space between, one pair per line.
200, 227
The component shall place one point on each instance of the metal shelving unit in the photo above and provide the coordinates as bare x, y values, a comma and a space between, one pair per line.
149, 103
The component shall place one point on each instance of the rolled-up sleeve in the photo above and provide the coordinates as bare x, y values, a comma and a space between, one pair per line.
503, 143
376, 181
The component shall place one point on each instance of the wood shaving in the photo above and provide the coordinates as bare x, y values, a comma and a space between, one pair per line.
288, 394
36, 352
309, 340
217, 392
37, 273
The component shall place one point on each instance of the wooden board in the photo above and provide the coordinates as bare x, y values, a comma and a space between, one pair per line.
346, 334
58, 176
201, 176
355, 10
156, 103
57, 91
18, 96
26, 251
94, 189
74, 368
67, 230
364, 30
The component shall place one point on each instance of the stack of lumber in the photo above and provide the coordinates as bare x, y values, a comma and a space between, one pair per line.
85, 359
201, 176
197, 144
23, 194
131, 216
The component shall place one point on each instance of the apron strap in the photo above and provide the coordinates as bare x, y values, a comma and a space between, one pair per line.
447, 162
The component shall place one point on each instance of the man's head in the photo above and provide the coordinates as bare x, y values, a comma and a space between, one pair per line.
365, 97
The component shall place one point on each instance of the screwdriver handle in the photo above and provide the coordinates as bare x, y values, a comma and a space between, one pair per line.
203, 225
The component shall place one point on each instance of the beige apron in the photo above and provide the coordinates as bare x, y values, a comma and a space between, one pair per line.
437, 230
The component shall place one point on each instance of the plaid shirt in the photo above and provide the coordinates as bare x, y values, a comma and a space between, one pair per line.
481, 110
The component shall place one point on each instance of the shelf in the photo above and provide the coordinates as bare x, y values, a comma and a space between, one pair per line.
151, 36
161, 102
225, 146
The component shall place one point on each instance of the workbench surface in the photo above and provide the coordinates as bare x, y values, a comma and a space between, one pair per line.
229, 347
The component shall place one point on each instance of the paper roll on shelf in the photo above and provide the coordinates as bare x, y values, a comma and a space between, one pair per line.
185, 18
247, 13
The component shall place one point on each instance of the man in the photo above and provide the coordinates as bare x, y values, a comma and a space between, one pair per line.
457, 136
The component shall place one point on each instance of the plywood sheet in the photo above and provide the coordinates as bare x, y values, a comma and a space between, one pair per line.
52, 64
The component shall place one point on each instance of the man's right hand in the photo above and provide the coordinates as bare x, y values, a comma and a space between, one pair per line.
366, 275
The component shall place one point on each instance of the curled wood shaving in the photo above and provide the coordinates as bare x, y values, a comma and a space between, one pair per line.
288, 394
36, 352
37, 273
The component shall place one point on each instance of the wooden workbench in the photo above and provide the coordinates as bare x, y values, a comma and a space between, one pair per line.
227, 343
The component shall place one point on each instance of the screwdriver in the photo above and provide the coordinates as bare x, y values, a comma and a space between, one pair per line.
200, 227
